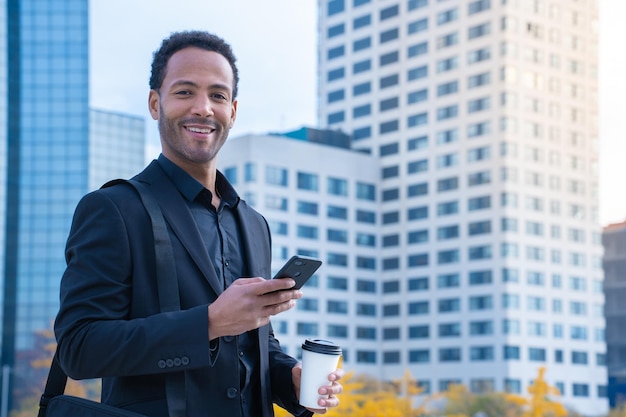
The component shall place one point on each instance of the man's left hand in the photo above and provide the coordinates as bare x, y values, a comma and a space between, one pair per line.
331, 390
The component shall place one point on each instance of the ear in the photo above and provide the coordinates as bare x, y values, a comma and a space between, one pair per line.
153, 104
233, 114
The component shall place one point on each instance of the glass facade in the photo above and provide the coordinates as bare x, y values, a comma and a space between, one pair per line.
56, 150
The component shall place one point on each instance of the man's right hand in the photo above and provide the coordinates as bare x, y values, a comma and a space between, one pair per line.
248, 303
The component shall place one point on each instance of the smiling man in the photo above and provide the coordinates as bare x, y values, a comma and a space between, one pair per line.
220, 343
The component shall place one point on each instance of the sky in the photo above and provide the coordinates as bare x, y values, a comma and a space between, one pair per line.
275, 42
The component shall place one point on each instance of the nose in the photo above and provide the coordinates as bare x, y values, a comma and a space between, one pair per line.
202, 106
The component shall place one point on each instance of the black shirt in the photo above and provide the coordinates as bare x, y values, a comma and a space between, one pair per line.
220, 232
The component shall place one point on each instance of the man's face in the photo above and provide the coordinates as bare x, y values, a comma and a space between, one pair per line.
194, 106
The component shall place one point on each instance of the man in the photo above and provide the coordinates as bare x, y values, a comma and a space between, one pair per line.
110, 325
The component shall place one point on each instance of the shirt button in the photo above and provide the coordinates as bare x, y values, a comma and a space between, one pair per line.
240, 353
232, 392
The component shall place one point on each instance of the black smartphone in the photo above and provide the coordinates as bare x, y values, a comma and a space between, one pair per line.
300, 268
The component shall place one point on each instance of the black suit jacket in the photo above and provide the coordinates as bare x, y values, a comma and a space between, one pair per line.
109, 324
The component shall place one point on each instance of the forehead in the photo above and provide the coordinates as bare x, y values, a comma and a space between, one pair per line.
197, 64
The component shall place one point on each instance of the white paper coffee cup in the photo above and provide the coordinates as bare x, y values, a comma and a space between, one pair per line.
319, 359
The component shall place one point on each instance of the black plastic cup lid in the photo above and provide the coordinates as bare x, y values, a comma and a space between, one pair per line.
321, 346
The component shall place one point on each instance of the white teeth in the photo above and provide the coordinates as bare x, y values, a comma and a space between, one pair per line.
198, 130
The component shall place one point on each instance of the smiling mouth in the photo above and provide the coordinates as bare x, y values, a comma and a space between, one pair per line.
204, 130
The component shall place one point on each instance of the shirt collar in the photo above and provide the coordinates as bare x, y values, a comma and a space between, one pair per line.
189, 187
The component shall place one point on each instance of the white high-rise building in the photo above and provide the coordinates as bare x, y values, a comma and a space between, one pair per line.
460, 236
483, 117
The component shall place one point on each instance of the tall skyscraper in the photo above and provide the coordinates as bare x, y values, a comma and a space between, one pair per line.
46, 149
614, 242
482, 116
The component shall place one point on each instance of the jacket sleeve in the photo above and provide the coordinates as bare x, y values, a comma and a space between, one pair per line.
98, 332
284, 393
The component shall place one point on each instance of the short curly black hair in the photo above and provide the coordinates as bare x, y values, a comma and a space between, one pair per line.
196, 38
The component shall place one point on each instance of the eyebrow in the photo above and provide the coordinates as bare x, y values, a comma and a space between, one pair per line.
193, 84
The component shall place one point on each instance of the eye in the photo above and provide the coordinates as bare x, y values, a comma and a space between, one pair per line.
220, 96
183, 93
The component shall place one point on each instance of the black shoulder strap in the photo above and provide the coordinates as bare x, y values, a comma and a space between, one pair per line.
169, 300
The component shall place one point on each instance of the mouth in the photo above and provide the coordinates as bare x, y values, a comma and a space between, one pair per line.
201, 130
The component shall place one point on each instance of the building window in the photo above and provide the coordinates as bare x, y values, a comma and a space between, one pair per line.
361, 44
362, 21
389, 58
511, 352
419, 356
447, 136
417, 96
389, 35
447, 184
447, 232
366, 286
417, 213
447, 112
389, 81
479, 203
478, 6
336, 74
480, 277
447, 88
447, 40
480, 302
307, 207
478, 80
450, 330
389, 12
388, 104
418, 284
366, 309
419, 332
580, 390
450, 354
417, 49
417, 143
447, 256
479, 252
536, 354
335, 30
448, 281
417, 308
447, 16
417, 236
418, 26
337, 330
336, 52
361, 111
417, 73
479, 30
448, 305
307, 329
417, 119
335, 7
481, 353
447, 64
365, 356
479, 228
387, 127
418, 260
447, 208
362, 66
362, 88
307, 181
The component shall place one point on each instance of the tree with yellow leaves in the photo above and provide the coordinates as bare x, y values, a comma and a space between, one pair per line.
540, 403
459, 402
364, 396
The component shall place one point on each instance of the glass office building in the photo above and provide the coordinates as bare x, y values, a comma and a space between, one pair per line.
614, 261
46, 150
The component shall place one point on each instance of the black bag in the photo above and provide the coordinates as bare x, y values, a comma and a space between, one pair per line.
68, 406
54, 403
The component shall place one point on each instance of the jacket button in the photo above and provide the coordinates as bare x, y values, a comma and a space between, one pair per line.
184, 360
231, 392
177, 361
169, 363
228, 338
161, 364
